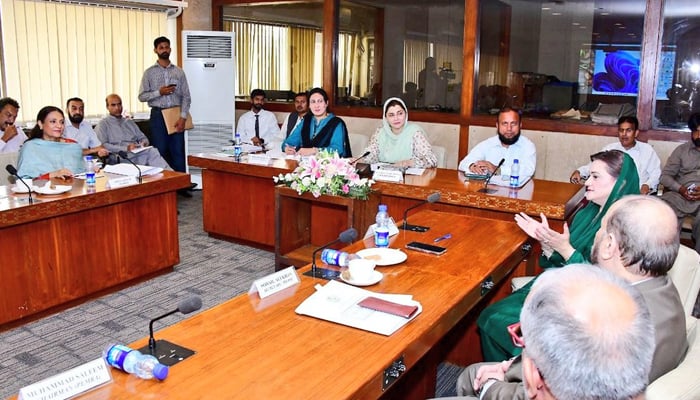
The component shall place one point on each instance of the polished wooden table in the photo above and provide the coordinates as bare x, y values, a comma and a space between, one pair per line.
65, 248
556, 200
247, 348
238, 198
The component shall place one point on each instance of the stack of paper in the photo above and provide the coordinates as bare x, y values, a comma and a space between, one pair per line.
130, 170
337, 302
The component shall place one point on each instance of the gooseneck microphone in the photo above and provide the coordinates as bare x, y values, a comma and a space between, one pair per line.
485, 189
359, 158
346, 236
123, 154
432, 198
186, 306
168, 353
13, 171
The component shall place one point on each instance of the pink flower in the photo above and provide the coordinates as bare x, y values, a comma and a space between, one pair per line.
346, 189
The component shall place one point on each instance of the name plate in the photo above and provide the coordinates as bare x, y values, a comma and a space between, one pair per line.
388, 175
259, 159
122, 181
276, 282
70, 383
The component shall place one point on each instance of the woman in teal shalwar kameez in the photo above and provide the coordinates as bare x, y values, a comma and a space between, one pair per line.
616, 177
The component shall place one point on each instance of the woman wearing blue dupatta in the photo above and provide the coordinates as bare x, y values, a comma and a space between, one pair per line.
615, 177
47, 154
398, 141
319, 130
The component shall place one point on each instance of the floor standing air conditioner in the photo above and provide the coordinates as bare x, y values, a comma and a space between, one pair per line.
210, 65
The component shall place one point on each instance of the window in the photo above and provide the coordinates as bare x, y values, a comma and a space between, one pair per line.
549, 57
278, 47
411, 50
678, 83
54, 51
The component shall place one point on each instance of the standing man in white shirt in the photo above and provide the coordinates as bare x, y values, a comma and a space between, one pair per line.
80, 130
644, 156
507, 145
11, 136
258, 126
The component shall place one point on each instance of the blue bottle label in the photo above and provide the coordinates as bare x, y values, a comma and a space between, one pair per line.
116, 355
331, 256
514, 180
381, 237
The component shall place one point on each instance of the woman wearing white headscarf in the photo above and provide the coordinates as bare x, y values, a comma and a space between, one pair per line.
398, 141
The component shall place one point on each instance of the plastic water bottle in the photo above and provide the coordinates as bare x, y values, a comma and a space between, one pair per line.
381, 230
145, 366
237, 146
515, 173
89, 170
337, 257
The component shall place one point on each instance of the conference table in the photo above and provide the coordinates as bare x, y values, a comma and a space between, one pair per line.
252, 348
71, 246
239, 199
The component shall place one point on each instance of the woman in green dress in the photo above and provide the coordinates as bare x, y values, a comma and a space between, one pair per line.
613, 175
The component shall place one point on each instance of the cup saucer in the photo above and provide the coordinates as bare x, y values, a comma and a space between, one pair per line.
373, 279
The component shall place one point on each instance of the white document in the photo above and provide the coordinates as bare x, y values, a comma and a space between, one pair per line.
499, 181
130, 170
137, 150
337, 302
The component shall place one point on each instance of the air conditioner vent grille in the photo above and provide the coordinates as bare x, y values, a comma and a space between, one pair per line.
202, 46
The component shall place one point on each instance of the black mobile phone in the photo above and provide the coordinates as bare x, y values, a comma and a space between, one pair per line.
172, 85
426, 248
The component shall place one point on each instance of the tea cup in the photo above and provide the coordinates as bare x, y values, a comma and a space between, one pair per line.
361, 269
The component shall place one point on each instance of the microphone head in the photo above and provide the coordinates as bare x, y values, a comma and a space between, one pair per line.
11, 169
123, 154
434, 197
348, 236
188, 305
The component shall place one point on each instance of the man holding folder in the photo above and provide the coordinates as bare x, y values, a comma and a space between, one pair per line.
164, 86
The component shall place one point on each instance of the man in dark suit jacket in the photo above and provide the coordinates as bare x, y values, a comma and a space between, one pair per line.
641, 253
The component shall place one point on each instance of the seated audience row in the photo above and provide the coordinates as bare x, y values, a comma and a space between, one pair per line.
51, 152
396, 142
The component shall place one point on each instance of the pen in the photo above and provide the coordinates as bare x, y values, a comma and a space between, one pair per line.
443, 237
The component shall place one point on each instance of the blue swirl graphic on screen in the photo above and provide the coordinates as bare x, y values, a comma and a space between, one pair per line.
621, 74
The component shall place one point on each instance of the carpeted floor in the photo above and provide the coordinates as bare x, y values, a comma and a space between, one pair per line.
213, 269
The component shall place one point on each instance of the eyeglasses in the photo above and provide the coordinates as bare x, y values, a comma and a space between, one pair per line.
516, 335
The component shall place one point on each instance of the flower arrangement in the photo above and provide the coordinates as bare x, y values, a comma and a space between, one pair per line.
326, 173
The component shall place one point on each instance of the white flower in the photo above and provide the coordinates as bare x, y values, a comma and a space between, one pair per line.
306, 181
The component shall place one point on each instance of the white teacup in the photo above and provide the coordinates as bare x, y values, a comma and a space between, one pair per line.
361, 269
20, 186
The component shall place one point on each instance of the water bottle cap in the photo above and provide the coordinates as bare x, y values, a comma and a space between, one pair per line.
88, 158
382, 207
516, 161
160, 371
